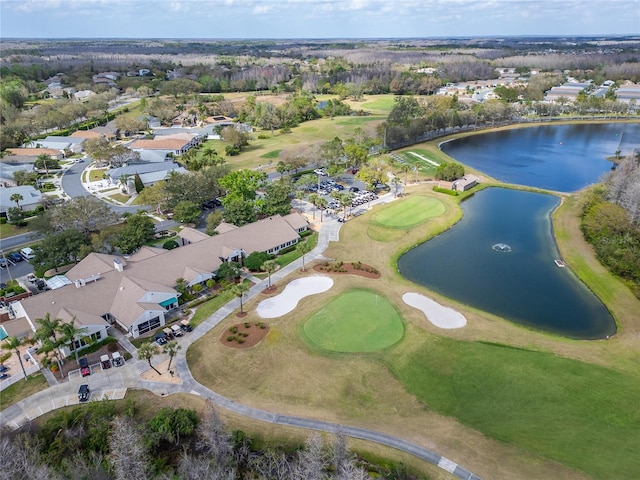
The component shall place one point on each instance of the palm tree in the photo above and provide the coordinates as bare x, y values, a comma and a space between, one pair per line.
13, 344
46, 332
44, 158
50, 347
269, 266
405, 167
71, 334
171, 348
303, 248
16, 197
396, 182
239, 290
146, 351
313, 198
322, 204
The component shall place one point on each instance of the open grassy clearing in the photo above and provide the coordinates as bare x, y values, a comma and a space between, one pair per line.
305, 135
579, 414
357, 321
22, 389
360, 390
414, 211
418, 159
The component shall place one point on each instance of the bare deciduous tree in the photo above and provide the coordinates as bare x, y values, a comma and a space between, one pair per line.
128, 453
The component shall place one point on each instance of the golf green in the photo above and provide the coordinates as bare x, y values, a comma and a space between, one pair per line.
409, 212
357, 321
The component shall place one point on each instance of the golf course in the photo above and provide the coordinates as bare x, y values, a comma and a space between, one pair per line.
504, 400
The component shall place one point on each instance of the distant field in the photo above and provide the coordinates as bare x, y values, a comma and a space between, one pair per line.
260, 150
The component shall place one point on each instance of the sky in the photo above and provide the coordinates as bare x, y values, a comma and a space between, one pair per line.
220, 19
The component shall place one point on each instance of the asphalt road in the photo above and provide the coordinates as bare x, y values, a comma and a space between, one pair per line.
72, 186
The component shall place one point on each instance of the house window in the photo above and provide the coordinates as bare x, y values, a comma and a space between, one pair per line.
149, 325
96, 336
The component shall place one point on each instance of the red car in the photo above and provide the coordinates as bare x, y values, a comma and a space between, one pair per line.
84, 367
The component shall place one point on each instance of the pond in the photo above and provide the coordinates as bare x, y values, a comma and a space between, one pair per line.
563, 158
500, 258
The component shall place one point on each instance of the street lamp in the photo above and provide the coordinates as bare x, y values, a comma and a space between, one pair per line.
6, 263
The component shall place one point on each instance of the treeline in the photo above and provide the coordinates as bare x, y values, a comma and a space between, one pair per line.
416, 119
96, 441
611, 221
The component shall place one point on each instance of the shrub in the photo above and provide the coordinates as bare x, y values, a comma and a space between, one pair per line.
453, 193
255, 260
240, 340
247, 325
233, 329
170, 245
263, 136
231, 338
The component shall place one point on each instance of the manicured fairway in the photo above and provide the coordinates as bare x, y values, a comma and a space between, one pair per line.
582, 415
409, 212
357, 321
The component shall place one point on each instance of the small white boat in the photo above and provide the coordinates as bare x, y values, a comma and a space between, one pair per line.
560, 263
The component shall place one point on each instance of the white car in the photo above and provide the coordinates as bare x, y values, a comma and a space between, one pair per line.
319, 171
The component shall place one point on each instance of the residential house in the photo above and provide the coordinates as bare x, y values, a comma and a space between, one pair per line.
35, 152
176, 144
60, 143
150, 173
137, 292
31, 198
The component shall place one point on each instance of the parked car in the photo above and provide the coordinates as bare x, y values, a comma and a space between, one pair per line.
354, 189
15, 257
117, 359
105, 362
185, 325
31, 278
168, 332
84, 393
27, 253
4, 375
160, 338
3, 262
319, 171
85, 369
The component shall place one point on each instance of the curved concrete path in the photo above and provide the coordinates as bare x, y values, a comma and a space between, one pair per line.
113, 383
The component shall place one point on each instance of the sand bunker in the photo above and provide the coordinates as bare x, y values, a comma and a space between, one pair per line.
165, 375
440, 316
295, 291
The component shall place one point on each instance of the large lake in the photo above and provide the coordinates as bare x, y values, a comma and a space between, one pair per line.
500, 258
564, 158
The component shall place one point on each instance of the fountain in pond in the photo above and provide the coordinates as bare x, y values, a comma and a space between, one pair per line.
502, 247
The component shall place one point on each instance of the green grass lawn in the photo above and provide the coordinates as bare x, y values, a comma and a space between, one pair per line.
271, 154
287, 258
582, 415
357, 321
416, 158
96, 174
8, 230
22, 389
209, 307
409, 212
308, 133
379, 104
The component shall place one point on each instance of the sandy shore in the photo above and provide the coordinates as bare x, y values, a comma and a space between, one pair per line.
439, 315
164, 376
